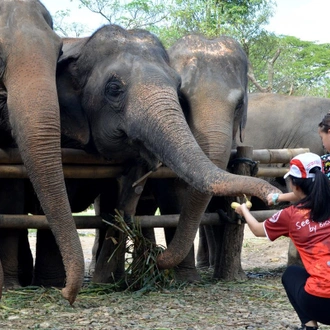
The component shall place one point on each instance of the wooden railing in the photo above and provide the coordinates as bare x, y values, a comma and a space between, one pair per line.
78, 164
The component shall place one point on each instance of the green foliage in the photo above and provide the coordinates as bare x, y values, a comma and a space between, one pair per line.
129, 14
142, 273
64, 28
302, 67
280, 64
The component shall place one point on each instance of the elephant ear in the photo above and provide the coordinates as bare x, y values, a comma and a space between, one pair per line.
74, 122
72, 48
244, 119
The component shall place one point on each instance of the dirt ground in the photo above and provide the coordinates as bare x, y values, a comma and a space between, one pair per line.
256, 303
256, 252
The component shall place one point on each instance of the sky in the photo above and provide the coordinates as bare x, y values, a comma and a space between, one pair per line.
307, 20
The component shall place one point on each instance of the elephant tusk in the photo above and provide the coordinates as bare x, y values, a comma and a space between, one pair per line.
146, 175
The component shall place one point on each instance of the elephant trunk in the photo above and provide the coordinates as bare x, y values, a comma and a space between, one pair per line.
193, 207
212, 125
170, 139
34, 117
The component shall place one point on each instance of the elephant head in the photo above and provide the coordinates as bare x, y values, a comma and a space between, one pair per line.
214, 88
29, 50
119, 97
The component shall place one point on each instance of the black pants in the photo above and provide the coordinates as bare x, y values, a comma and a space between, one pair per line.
307, 306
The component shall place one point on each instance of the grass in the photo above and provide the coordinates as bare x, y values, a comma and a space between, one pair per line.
142, 272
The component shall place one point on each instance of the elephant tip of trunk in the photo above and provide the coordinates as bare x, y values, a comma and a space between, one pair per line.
69, 294
163, 262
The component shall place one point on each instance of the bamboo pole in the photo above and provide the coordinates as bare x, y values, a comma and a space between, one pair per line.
74, 156
113, 171
19, 221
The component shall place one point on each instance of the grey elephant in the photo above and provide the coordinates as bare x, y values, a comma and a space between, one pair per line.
285, 122
119, 98
275, 122
214, 101
280, 121
29, 50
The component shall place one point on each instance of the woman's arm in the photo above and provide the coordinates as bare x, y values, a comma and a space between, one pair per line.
256, 227
274, 199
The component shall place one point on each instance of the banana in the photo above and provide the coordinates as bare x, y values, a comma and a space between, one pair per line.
234, 205
247, 202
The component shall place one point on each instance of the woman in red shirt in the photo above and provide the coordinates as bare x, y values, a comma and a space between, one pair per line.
307, 223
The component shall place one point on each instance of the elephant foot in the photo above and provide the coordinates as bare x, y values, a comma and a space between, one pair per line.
104, 276
11, 284
203, 265
190, 275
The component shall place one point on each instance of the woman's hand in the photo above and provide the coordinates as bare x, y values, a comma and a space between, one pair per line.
272, 199
241, 208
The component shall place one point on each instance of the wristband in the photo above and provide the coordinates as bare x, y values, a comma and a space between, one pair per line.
275, 199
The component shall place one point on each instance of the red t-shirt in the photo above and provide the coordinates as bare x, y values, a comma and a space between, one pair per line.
312, 240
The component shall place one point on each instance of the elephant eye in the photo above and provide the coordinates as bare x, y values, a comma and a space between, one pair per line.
113, 89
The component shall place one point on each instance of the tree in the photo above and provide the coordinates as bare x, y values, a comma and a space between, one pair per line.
65, 29
129, 14
288, 65
280, 64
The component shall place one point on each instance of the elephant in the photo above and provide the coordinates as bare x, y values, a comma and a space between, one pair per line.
214, 102
119, 98
275, 122
286, 122
30, 120
280, 121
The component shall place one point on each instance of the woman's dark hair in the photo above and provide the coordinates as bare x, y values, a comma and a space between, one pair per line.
324, 125
317, 191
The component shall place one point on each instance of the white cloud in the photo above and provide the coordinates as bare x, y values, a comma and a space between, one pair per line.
305, 19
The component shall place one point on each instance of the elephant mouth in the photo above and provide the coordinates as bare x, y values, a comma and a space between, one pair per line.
149, 160
133, 151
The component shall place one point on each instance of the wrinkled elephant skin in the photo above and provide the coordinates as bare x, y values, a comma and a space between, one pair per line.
279, 121
214, 93
119, 89
29, 50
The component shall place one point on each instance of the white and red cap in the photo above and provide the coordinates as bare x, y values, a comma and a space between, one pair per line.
301, 165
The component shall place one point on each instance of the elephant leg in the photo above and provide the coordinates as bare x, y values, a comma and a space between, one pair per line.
110, 264
49, 268
25, 259
211, 243
9, 239
108, 258
15, 253
95, 248
186, 270
147, 205
114, 244
206, 247
203, 250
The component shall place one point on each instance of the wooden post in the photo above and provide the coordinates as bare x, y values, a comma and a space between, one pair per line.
228, 261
